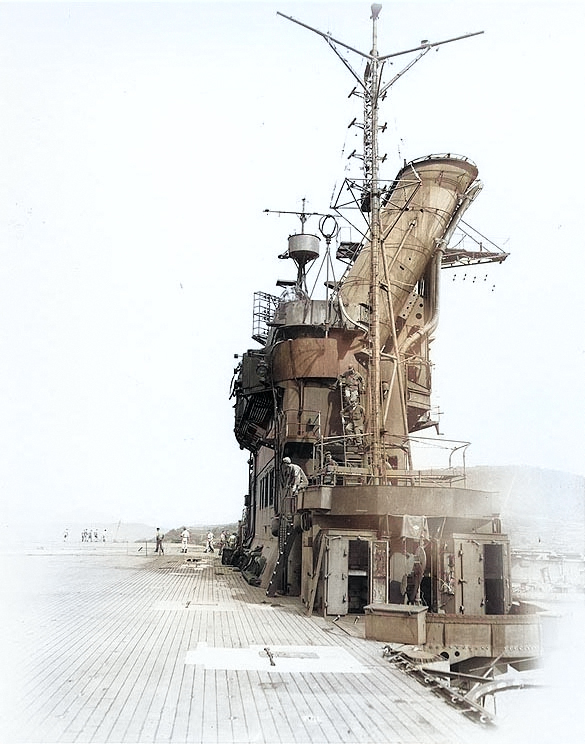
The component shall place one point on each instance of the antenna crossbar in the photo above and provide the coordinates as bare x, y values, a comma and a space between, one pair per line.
328, 37
429, 45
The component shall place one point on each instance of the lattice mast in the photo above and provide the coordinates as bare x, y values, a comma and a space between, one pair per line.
371, 90
370, 87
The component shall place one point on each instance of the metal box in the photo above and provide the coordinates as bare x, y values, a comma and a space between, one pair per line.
396, 623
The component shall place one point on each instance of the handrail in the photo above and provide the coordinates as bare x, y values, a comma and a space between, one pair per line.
345, 469
305, 423
341, 475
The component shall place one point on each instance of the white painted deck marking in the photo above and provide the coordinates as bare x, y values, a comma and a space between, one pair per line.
287, 659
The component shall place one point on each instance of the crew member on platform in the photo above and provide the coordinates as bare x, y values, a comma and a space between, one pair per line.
329, 470
294, 478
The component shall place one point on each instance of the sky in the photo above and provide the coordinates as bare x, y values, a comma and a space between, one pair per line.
140, 144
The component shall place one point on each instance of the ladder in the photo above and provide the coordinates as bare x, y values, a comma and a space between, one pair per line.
353, 446
315, 577
286, 538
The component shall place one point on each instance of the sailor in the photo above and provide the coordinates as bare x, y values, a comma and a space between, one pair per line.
159, 542
418, 570
294, 478
185, 535
353, 415
329, 469
352, 383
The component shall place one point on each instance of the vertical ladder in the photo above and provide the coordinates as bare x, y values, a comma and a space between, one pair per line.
315, 577
343, 422
286, 538
353, 454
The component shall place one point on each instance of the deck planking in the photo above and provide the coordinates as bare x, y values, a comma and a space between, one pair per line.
103, 647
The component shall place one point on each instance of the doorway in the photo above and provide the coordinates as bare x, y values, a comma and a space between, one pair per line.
358, 575
493, 574
347, 574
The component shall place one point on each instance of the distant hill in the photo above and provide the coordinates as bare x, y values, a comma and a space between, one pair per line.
540, 508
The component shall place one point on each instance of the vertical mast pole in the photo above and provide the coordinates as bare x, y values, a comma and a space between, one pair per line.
372, 81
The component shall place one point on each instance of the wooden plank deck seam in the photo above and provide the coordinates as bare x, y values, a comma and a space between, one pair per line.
109, 666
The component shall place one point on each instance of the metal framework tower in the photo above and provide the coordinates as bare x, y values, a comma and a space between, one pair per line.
372, 90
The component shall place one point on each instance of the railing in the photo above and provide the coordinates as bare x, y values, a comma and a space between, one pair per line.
264, 308
344, 460
302, 424
340, 475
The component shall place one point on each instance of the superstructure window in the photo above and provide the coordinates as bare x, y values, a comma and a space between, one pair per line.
266, 489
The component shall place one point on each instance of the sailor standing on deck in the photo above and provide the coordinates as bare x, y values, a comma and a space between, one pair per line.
159, 542
185, 535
